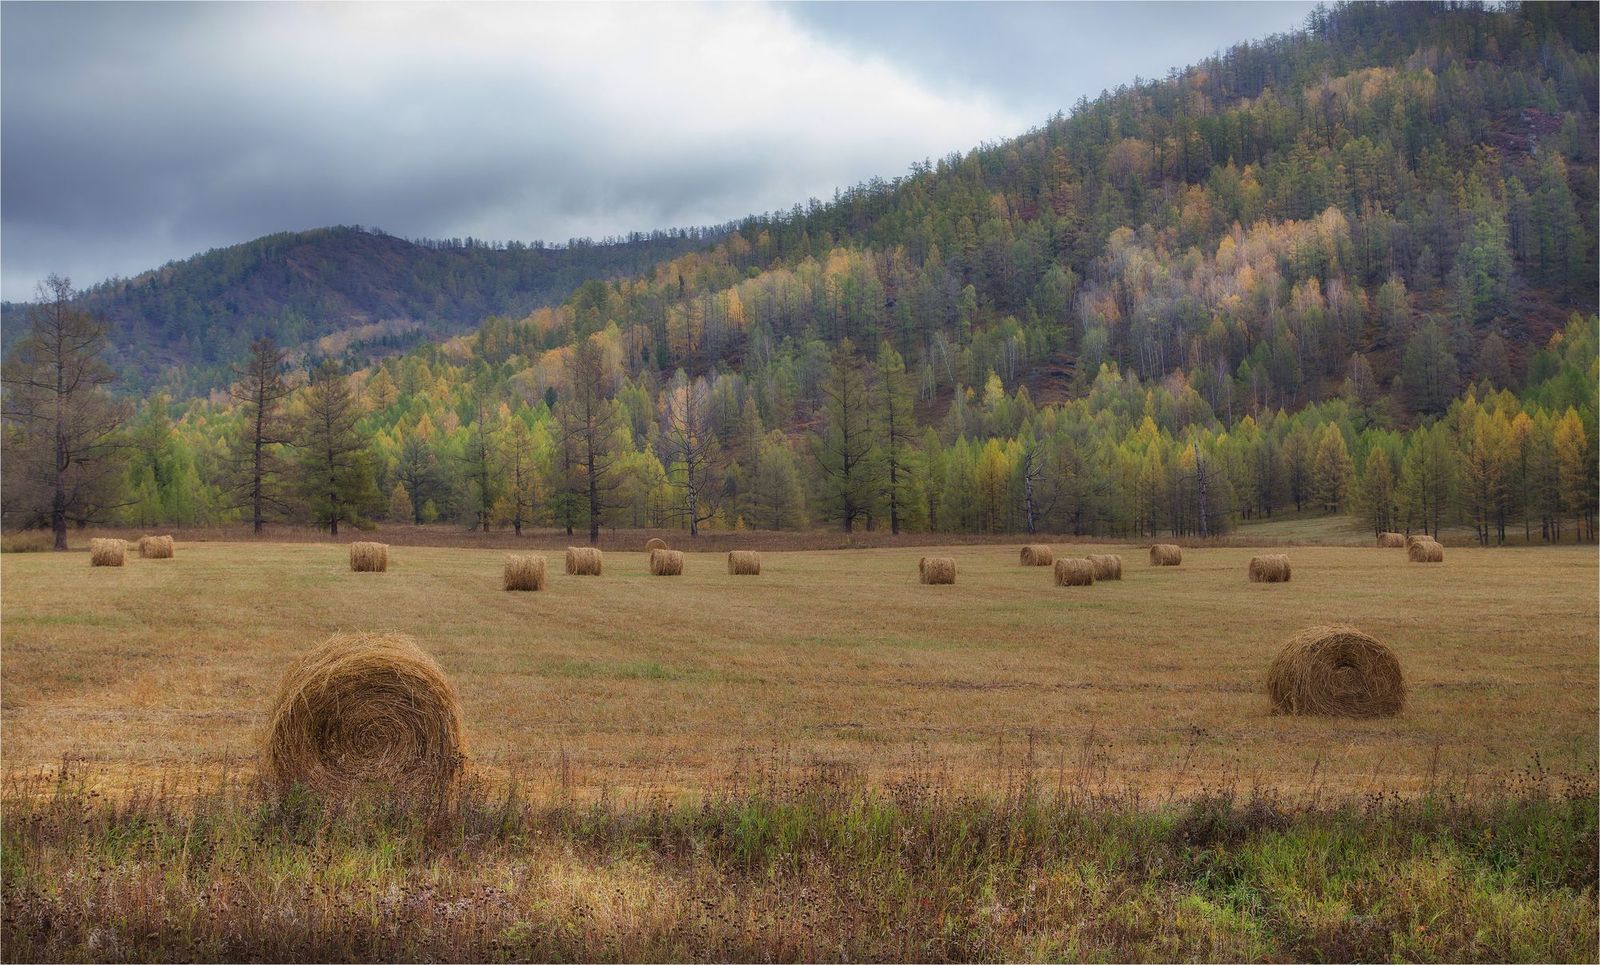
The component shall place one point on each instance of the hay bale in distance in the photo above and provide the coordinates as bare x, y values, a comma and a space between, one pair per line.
655, 543
369, 557
1037, 554
1106, 566
524, 572
1413, 537
1425, 551
156, 547
744, 563
1391, 540
937, 569
1272, 568
584, 561
1071, 571
108, 552
1336, 671
1166, 554
666, 562
365, 711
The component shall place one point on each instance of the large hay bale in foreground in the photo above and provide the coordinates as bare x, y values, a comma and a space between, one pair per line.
156, 547
1391, 540
108, 552
584, 561
655, 543
937, 569
1336, 671
1425, 551
1273, 568
666, 562
1106, 566
1166, 554
365, 711
1074, 572
1038, 554
744, 563
524, 572
369, 557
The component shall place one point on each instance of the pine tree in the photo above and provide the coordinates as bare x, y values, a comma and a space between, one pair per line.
336, 475
257, 463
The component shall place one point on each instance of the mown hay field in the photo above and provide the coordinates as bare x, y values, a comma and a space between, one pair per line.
838, 658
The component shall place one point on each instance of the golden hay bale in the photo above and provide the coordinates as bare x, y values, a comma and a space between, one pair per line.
655, 543
155, 547
584, 561
1106, 566
1074, 572
744, 563
1391, 540
369, 557
365, 711
1336, 671
1425, 551
524, 572
666, 562
1166, 554
1413, 537
1037, 554
937, 569
1273, 568
107, 552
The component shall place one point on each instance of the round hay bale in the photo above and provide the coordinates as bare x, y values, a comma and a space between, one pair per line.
365, 711
1336, 671
666, 562
1166, 554
744, 563
524, 572
937, 569
1391, 540
1074, 572
369, 557
156, 547
584, 561
107, 552
655, 543
1273, 568
1413, 537
1106, 566
1425, 551
1038, 554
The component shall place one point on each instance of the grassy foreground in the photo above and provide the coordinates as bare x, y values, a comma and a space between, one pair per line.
808, 869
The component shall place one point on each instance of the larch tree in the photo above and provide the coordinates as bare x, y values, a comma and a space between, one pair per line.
588, 421
897, 427
844, 448
336, 475
696, 467
257, 464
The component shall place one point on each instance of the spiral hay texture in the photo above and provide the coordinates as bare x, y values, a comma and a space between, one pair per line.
369, 557
1391, 540
108, 552
1336, 671
365, 711
155, 547
524, 572
1038, 554
744, 563
1425, 551
1074, 572
654, 543
937, 569
1166, 554
1269, 569
1106, 566
584, 561
666, 562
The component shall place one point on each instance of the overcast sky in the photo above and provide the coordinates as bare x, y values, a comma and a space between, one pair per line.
132, 134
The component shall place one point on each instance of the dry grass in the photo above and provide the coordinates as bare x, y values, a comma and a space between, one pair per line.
1392, 540
655, 543
1037, 554
524, 572
368, 557
365, 711
1166, 554
1425, 551
666, 562
156, 547
107, 552
1336, 671
1107, 566
744, 563
584, 561
1272, 568
937, 570
1074, 572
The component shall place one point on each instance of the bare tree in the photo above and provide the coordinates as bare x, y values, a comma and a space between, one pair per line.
257, 466
696, 467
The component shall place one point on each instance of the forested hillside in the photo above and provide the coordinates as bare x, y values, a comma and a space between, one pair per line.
1348, 270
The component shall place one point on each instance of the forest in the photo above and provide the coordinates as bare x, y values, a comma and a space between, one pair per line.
1346, 270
